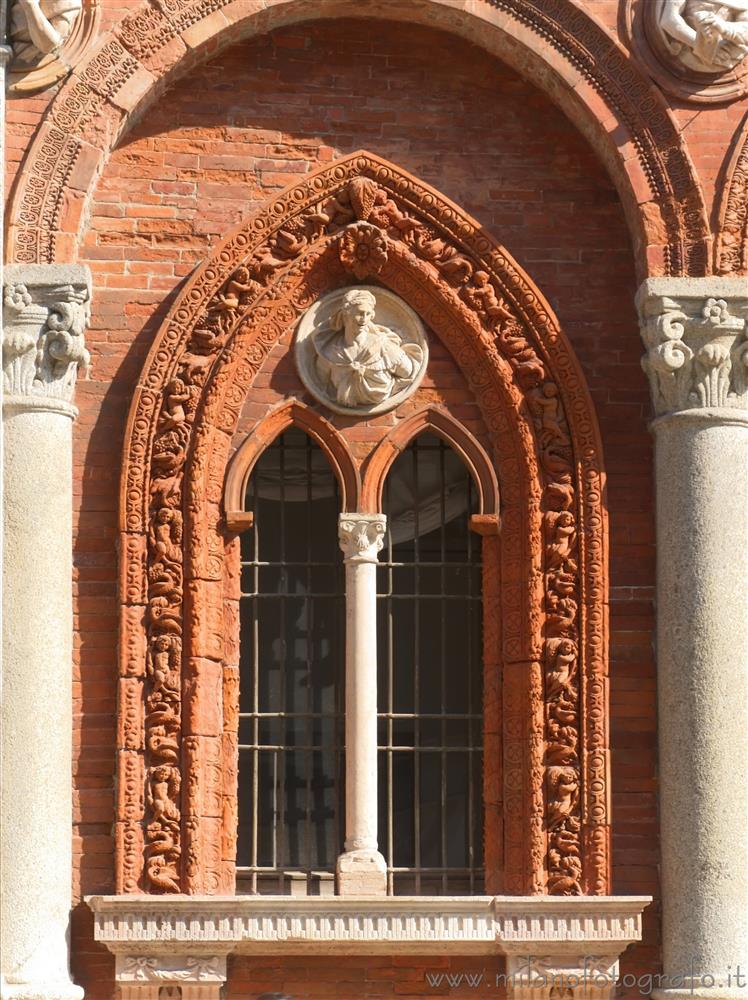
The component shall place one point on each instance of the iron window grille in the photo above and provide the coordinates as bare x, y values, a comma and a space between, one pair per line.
291, 723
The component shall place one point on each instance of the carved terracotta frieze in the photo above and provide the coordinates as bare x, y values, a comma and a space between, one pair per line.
732, 241
534, 403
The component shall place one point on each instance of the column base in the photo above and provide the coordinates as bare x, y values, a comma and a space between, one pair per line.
698, 988
361, 873
60, 989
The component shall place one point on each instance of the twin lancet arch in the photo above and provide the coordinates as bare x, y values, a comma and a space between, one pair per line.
546, 627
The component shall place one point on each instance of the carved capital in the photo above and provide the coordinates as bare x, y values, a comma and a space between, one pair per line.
361, 536
694, 330
46, 308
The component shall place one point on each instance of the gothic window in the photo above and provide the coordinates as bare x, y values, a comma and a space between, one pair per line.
292, 664
430, 684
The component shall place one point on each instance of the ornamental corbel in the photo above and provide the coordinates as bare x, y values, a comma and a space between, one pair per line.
191, 977
46, 309
541, 977
694, 330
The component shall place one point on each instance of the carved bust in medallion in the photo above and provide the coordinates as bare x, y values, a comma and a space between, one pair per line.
694, 49
708, 36
48, 38
361, 350
40, 27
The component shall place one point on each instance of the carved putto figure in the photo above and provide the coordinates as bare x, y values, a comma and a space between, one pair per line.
40, 27
708, 36
350, 361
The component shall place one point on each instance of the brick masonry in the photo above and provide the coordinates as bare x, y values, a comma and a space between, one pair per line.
243, 126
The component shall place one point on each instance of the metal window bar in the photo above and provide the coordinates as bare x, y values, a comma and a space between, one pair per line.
292, 669
449, 553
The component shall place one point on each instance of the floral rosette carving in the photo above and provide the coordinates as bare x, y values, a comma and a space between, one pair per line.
363, 249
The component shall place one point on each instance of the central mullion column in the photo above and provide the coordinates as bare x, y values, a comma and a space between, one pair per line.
361, 869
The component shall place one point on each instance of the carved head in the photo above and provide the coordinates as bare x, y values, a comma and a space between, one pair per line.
356, 312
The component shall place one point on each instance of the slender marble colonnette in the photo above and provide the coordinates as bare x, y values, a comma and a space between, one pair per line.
361, 869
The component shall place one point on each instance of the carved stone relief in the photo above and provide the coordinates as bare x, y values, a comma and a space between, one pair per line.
44, 321
48, 38
696, 49
361, 350
361, 536
708, 36
697, 348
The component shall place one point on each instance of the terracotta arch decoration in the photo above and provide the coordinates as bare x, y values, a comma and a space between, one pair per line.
360, 218
555, 44
732, 244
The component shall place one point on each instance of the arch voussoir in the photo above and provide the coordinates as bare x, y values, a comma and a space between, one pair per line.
560, 48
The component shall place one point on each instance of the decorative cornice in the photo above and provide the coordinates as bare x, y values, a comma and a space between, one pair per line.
548, 941
46, 308
169, 926
361, 536
694, 330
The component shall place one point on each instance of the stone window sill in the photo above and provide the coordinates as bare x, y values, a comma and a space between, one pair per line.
184, 940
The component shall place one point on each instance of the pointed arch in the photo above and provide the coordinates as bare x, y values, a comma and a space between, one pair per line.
289, 414
562, 49
452, 432
181, 591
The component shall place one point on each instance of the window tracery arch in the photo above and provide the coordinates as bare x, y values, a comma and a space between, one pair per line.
548, 460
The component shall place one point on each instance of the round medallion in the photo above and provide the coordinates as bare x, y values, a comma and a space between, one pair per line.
696, 50
361, 350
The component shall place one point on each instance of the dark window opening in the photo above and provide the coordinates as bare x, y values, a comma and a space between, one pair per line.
430, 683
291, 739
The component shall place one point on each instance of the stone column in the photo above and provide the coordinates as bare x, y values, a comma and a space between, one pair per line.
361, 869
45, 310
697, 361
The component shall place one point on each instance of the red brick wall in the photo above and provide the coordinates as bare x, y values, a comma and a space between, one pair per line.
241, 127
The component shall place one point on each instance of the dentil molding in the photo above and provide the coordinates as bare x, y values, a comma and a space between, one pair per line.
572, 941
46, 308
694, 330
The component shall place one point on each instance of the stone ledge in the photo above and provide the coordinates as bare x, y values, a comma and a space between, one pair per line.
185, 939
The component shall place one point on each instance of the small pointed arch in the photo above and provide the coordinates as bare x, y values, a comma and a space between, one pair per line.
289, 414
451, 431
